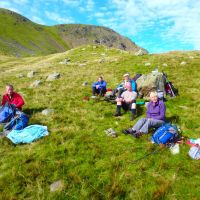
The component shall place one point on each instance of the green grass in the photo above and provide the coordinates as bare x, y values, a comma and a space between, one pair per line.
77, 151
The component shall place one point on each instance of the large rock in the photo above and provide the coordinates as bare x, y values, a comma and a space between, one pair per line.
53, 76
150, 82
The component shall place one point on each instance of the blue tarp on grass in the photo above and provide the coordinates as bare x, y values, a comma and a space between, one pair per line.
28, 134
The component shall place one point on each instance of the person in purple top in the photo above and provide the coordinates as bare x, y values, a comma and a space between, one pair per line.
99, 87
155, 117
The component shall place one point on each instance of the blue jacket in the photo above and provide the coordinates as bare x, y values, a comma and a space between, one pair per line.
102, 84
133, 85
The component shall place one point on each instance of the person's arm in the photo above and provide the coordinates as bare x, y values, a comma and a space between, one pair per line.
161, 116
103, 84
148, 113
20, 101
94, 84
3, 101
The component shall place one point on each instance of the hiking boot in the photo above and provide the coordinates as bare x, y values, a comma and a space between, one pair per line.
128, 131
117, 114
137, 134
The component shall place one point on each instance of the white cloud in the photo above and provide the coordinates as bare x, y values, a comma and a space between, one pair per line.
175, 20
73, 3
37, 20
57, 18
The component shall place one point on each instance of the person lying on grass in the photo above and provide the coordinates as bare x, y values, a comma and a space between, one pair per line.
155, 117
123, 86
127, 101
12, 97
99, 87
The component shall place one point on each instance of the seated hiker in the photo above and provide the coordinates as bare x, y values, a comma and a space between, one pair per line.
123, 86
99, 87
155, 117
127, 101
12, 97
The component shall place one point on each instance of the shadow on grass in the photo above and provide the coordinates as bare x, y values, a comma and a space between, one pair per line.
173, 119
31, 111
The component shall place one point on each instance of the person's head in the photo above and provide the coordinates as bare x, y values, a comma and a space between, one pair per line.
100, 78
154, 97
9, 89
128, 87
126, 77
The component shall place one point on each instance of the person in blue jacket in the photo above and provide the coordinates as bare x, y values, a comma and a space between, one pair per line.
123, 86
99, 87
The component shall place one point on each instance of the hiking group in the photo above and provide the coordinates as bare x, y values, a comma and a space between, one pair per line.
125, 97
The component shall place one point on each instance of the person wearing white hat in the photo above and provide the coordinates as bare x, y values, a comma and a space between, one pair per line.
123, 86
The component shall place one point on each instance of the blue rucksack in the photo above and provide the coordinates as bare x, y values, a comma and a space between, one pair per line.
167, 133
18, 122
7, 111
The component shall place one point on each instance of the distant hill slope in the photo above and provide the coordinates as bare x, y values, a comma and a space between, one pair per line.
21, 37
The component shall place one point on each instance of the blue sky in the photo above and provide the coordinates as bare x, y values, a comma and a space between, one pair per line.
156, 25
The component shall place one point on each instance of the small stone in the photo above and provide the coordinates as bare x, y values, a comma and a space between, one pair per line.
82, 65
94, 47
47, 111
53, 76
56, 186
140, 53
65, 61
36, 83
19, 75
147, 64
164, 64
183, 63
85, 84
31, 74
102, 60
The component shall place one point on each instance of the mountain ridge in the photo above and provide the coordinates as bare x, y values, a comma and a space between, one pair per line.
20, 36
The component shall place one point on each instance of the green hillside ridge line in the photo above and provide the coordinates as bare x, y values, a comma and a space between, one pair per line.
21, 37
77, 152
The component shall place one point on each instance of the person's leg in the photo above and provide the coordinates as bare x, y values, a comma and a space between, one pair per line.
120, 91
136, 128
150, 123
93, 91
140, 123
133, 110
102, 91
118, 109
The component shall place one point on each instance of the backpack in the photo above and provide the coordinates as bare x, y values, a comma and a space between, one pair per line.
167, 133
7, 111
19, 122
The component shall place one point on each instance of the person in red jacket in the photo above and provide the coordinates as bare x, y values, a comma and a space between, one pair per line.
12, 97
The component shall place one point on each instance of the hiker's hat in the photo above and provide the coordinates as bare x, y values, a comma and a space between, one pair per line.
126, 74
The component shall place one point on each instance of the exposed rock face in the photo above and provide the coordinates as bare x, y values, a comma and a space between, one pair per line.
36, 83
31, 74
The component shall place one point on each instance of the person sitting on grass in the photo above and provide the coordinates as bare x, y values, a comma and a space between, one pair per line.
12, 97
122, 87
99, 87
127, 101
155, 117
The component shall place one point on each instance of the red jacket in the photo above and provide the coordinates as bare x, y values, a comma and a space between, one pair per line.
16, 99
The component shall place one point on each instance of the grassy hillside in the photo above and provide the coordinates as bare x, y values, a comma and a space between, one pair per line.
21, 37
90, 164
